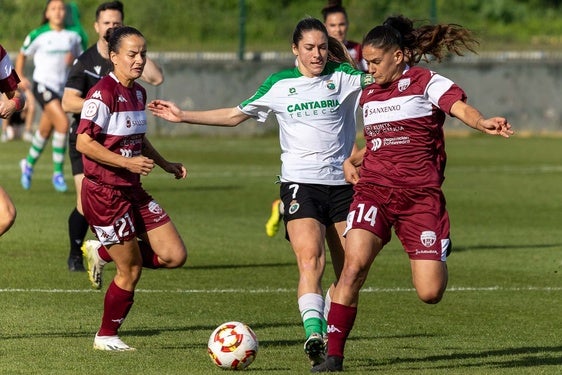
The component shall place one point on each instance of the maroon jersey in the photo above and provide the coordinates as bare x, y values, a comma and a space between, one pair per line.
355, 51
8, 78
404, 129
114, 116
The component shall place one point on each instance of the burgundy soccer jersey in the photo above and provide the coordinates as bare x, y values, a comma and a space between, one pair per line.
8, 78
114, 116
403, 127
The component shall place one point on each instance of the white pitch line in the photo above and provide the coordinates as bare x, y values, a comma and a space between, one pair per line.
284, 290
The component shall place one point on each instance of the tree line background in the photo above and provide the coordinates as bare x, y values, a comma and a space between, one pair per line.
214, 25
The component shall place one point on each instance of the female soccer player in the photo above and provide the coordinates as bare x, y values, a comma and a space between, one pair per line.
53, 48
315, 105
87, 70
402, 166
111, 137
8, 85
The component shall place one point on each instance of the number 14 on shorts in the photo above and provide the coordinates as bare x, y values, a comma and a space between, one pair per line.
362, 214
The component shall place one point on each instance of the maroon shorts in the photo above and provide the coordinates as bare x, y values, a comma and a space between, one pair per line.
120, 214
418, 216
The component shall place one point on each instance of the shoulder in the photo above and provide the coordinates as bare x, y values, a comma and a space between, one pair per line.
103, 90
345, 68
283, 75
35, 33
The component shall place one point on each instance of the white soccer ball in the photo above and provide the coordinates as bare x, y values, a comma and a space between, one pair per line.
233, 346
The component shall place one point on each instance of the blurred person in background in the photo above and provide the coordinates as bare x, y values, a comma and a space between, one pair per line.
87, 70
10, 102
53, 49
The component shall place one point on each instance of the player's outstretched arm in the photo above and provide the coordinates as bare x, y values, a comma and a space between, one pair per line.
215, 117
473, 118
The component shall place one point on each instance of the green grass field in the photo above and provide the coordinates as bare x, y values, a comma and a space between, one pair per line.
502, 313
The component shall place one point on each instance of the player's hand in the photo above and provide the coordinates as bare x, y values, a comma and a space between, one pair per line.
7, 108
351, 172
496, 126
177, 169
165, 109
140, 165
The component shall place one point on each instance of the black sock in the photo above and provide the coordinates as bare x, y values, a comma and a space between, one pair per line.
77, 229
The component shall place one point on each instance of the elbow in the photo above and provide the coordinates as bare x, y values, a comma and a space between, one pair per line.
158, 81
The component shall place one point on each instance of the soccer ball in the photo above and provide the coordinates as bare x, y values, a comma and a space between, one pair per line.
233, 346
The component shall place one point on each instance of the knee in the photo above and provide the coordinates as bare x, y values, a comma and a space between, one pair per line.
7, 219
177, 259
353, 275
431, 297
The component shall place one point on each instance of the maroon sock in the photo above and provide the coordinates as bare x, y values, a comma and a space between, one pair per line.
116, 306
102, 251
149, 257
340, 323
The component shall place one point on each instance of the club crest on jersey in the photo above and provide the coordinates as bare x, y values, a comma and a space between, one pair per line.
294, 207
428, 238
403, 84
330, 85
139, 96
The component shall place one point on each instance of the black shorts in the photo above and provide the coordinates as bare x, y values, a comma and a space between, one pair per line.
326, 203
43, 94
75, 156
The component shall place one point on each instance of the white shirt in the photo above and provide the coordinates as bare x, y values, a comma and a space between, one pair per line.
50, 50
316, 119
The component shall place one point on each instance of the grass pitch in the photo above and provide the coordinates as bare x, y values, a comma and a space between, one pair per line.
500, 315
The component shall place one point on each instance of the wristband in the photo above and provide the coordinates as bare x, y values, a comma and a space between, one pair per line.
19, 103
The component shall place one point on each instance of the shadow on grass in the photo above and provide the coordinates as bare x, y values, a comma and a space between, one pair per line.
526, 357
504, 247
234, 266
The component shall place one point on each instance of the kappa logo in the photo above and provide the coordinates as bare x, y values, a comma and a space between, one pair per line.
332, 329
121, 99
97, 95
